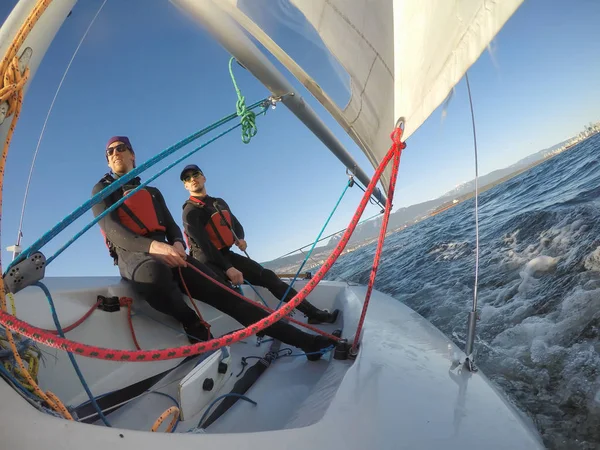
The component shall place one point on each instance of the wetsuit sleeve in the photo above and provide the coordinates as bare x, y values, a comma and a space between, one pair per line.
115, 232
194, 222
173, 231
237, 226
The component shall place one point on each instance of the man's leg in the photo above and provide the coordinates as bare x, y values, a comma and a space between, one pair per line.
246, 313
155, 281
260, 276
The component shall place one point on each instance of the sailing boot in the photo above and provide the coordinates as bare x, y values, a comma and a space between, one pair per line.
197, 332
316, 315
314, 349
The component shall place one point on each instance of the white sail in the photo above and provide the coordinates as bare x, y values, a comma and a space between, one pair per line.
403, 57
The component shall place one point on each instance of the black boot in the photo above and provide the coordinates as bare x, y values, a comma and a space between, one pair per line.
197, 332
314, 350
316, 315
324, 317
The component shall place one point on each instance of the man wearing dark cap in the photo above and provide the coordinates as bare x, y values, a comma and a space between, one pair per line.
147, 245
212, 230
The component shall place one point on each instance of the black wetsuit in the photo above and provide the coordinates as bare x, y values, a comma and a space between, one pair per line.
195, 221
160, 285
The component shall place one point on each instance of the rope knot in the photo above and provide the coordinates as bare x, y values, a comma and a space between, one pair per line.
247, 117
248, 120
397, 138
125, 301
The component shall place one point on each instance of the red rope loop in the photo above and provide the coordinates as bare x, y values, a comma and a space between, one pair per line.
397, 138
125, 301
43, 337
80, 321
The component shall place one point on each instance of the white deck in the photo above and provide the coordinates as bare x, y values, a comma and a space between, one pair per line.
402, 391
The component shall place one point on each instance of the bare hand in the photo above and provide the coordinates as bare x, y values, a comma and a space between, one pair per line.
236, 277
242, 245
179, 248
167, 254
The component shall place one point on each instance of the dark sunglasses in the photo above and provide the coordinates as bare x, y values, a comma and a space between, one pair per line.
119, 148
190, 176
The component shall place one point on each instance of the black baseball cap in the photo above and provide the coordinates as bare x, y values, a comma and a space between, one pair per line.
189, 167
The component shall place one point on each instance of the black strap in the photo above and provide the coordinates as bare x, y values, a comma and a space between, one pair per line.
219, 237
229, 225
127, 393
133, 217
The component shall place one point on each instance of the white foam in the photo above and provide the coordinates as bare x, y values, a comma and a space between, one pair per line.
534, 269
540, 265
592, 261
451, 251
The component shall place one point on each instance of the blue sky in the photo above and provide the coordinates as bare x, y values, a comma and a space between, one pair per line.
148, 72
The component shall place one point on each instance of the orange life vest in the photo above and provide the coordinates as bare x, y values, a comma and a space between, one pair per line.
138, 214
218, 227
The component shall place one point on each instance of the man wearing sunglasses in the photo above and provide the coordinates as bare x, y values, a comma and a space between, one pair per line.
148, 246
212, 230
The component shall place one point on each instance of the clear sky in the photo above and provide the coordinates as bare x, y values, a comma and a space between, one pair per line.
148, 72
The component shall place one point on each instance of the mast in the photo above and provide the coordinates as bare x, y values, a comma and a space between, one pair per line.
31, 52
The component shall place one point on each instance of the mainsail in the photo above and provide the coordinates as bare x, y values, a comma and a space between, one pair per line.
403, 57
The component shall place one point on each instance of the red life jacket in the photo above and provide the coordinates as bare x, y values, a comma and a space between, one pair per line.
136, 213
218, 227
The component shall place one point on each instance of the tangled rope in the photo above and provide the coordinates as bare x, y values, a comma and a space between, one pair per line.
248, 118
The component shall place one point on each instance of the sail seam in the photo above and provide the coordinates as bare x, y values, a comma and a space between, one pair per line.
362, 36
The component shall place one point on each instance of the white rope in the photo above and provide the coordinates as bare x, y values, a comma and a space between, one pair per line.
20, 232
476, 199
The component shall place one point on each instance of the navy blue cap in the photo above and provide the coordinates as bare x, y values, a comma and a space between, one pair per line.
189, 167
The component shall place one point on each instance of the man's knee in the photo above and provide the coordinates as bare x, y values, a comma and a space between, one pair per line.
270, 277
152, 271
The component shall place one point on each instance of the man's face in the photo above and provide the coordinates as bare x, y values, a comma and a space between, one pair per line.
193, 180
120, 157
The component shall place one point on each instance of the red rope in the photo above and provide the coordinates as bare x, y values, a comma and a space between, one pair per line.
187, 291
49, 339
263, 307
80, 321
126, 301
396, 148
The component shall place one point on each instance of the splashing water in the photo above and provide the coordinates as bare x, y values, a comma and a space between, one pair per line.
539, 288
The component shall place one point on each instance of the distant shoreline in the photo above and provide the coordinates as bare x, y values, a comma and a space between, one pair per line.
290, 263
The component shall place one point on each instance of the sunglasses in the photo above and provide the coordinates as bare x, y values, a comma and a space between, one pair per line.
190, 176
119, 148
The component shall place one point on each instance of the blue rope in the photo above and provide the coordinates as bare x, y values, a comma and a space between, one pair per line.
16, 382
254, 289
314, 244
137, 188
22, 388
43, 287
104, 193
293, 355
231, 394
22, 346
149, 392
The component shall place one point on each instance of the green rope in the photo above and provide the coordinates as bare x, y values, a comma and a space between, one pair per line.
248, 118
